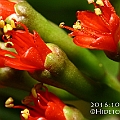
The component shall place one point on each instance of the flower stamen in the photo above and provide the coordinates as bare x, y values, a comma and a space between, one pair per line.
12, 22
9, 44
7, 27
41, 106
35, 88
62, 25
100, 2
9, 102
90, 1
98, 11
25, 114
38, 86
77, 25
34, 93
2, 23
27, 100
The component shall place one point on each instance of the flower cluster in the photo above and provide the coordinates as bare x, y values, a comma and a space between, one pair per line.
30, 50
40, 105
97, 30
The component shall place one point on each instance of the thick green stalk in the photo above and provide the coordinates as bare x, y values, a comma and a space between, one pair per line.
17, 79
62, 73
21, 80
62, 94
111, 82
72, 113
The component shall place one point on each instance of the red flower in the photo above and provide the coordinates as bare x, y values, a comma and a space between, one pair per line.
97, 30
31, 51
40, 105
6, 8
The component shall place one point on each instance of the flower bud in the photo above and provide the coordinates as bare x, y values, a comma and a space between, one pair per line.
72, 113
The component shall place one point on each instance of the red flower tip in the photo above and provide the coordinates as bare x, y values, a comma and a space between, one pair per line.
31, 51
6, 8
97, 30
40, 105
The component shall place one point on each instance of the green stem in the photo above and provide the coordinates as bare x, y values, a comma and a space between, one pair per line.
22, 80
17, 79
72, 113
111, 82
118, 74
62, 94
62, 73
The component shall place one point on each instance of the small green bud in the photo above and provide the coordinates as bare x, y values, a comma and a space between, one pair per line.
72, 113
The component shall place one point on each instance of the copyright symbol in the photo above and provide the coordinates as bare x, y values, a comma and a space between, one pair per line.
92, 111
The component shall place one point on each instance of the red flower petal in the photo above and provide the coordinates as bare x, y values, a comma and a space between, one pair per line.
110, 15
109, 44
107, 7
31, 50
83, 41
17, 64
32, 57
2, 62
54, 112
6, 8
91, 21
41, 46
92, 43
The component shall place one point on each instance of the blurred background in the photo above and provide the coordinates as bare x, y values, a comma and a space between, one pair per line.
64, 10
